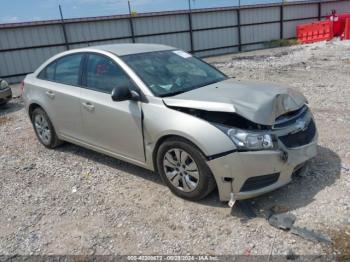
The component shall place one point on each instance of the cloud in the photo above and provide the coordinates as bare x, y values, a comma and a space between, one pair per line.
117, 2
36, 18
10, 19
103, 4
136, 5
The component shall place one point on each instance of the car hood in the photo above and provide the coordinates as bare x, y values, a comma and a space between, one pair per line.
259, 102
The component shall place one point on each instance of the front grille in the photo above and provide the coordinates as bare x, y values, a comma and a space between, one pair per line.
300, 138
257, 182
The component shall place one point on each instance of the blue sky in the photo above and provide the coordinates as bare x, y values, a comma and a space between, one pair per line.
13, 11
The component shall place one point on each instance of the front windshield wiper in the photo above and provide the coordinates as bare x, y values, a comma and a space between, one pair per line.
174, 93
210, 83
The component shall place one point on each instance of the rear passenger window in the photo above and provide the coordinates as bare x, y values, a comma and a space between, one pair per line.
67, 69
102, 74
64, 70
48, 73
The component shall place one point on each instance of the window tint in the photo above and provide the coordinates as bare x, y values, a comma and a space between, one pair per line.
102, 74
67, 69
48, 73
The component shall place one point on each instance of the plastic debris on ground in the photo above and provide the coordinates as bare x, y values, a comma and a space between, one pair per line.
285, 221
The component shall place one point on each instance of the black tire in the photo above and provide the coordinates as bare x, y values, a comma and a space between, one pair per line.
206, 182
54, 141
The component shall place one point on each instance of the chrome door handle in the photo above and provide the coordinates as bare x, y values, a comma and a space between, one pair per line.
50, 94
88, 106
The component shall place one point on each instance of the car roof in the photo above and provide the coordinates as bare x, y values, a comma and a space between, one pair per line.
130, 49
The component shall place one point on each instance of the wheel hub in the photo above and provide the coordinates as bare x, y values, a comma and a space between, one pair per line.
181, 170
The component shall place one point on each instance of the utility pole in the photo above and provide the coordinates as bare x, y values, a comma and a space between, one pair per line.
63, 28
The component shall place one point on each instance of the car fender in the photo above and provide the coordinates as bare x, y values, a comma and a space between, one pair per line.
159, 121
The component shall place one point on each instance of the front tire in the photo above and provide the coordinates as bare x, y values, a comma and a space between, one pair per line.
184, 170
44, 129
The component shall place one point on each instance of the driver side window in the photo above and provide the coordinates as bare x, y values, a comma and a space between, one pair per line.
103, 74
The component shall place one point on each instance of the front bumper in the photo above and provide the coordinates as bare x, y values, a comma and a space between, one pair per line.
232, 171
5, 95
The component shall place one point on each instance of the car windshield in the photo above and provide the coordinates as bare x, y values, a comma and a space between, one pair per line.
169, 73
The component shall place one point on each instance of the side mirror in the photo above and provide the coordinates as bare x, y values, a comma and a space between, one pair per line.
123, 93
3, 84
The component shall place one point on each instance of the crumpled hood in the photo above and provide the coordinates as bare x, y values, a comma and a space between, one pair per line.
259, 102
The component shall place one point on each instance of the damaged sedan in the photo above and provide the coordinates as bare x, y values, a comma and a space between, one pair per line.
165, 110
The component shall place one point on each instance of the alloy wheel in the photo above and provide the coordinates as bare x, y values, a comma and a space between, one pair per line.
181, 170
42, 128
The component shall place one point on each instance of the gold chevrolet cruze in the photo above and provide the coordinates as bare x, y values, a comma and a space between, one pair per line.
165, 110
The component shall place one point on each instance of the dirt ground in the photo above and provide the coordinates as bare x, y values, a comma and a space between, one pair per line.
74, 201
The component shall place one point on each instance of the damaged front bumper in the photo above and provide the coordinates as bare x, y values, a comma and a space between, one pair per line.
249, 174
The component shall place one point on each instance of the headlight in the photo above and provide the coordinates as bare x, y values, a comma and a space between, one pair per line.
3, 84
248, 140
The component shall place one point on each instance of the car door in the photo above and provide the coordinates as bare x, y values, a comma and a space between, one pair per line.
112, 126
60, 94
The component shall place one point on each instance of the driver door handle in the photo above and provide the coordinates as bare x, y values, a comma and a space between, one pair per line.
90, 107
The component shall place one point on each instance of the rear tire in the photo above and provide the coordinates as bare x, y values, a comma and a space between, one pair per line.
184, 170
44, 129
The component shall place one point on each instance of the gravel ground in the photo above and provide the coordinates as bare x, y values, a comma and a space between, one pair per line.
74, 201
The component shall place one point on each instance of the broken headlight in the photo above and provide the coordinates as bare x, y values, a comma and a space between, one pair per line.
248, 140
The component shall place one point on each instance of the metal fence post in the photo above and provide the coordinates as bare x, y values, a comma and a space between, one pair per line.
131, 23
64, 29
281, 20
239, 29
190, 25
319, 11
